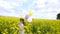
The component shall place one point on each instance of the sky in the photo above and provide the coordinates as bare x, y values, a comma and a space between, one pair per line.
47, 9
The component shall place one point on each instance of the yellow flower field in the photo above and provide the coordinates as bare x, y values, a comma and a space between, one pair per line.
9, 25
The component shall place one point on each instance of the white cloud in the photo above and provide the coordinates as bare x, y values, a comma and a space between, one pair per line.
58, 11
53, 2
5, 4
41, 1
41, 6
14, 4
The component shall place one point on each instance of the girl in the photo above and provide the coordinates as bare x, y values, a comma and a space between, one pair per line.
21, 26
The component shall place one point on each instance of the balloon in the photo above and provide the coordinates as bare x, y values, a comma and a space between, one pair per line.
30, 13
29, 19
26, 16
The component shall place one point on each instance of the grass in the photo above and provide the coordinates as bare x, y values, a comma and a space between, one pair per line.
9, 25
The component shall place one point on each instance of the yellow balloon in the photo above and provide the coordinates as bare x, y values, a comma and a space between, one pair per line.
30, 13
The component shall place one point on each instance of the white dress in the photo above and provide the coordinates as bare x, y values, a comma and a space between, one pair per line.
22, 26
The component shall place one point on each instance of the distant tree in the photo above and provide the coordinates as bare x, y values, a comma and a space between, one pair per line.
58, 16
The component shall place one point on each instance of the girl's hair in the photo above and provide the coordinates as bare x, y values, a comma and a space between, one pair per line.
21, 19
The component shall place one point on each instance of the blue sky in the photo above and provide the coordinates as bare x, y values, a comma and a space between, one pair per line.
46, 9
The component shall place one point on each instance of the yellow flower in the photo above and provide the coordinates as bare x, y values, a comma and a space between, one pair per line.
47, 33
15, 32
4, 33
38, 32
31, 33
57, 32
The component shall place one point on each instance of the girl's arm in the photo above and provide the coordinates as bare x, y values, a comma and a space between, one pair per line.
20, 27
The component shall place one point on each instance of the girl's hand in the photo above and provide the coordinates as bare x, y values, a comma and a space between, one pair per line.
20, 27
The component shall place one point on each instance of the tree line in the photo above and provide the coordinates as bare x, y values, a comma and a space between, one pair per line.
58, 16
